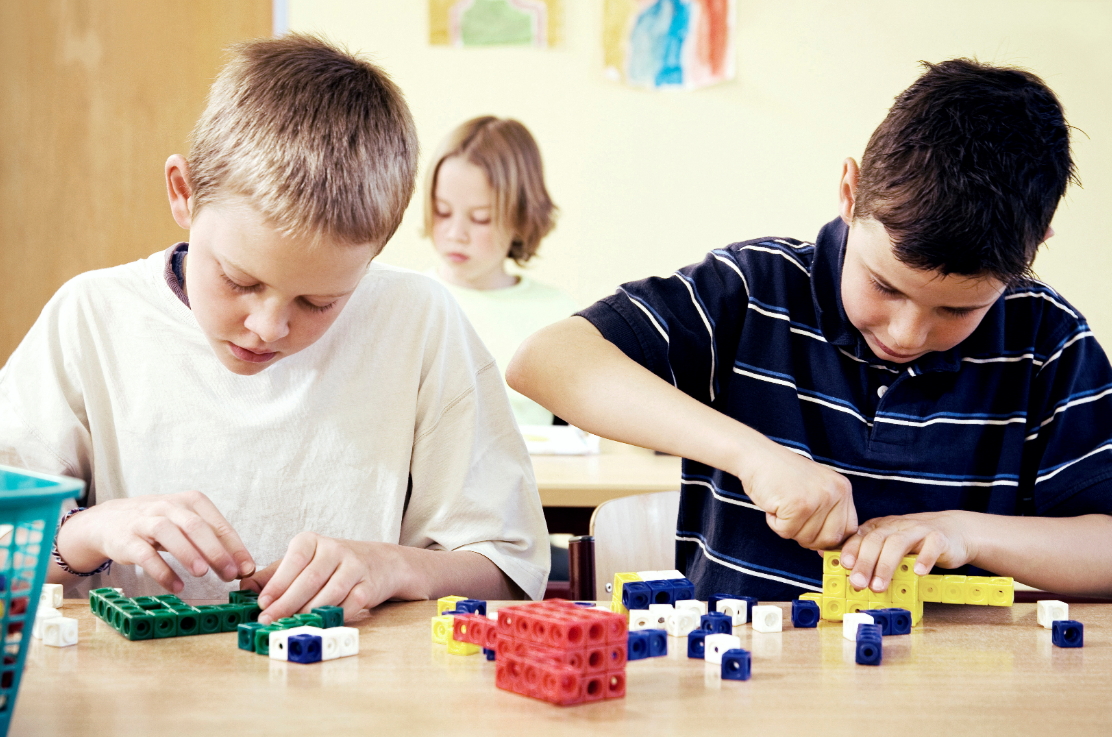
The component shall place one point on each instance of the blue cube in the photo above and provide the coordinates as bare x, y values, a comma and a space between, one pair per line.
712, 602
750, 602
637, 646
869, 651
697, 645
682, 589
805, 613
1067, 633
636, 595
737, 665
882, 617
472, 606
716, 622
900, 621
662, 592
490, 654
658, 642
868, 632
304, 648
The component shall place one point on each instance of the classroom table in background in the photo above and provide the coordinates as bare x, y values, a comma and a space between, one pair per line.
965, 671
589, 480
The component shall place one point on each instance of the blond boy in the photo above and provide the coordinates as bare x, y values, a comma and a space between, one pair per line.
263, 403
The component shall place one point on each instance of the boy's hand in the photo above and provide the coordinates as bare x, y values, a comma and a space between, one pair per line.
324, 571
133, 532
802, 500
875, 552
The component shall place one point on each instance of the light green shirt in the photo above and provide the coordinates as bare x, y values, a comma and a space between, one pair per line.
504, 318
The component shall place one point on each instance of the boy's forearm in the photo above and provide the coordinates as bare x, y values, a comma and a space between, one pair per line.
1068, 555
571, 369
430, 574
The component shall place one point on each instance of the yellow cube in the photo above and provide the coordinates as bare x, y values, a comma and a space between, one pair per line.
618, 607
882, 596
856, 606
906, 569
834, 585
905, 592
812, 596
853, 594
833, 608
442, 628
455, 647
1001, 591
832, 562
930, 587
916, 610
953, 589
447, 603
976, 590
620, 579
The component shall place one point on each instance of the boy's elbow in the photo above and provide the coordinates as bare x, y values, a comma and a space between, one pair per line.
517, 372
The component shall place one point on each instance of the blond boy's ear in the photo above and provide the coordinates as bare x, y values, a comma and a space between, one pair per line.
847, 190
179, 191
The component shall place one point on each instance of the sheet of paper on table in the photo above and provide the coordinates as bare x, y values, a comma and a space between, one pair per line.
559, 440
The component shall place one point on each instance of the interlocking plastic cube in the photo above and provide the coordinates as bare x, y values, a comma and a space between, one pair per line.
682, 622
930, 588
834, 584
647, 644
1067, 633
906, 569
636, 595
853, 594
1049, 610
805, 614
339, 642
833, 608
736, 610
304, 648
246, 635
905, 592
445, 603
713, 599
852, 621
814, 596
899, 621
62, 632
768, 618
696, 644
1001, 591
716, 622
310, 620
474, 606
661, 591
953, 589
869, 651
699, 607
737, 665
333, 616
832, 562
682, 589
716, 645
977, 590
262, 639
881, 617
51, 595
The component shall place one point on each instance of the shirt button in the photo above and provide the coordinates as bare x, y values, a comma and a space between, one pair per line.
881, 391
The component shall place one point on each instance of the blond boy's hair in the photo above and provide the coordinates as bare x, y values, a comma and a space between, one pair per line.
320, 141
508, 155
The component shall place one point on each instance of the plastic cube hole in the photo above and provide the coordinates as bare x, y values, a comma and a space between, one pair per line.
638, 646
662, 597
868, 650
835, 562
1070, 634
595, 632
575, 634
594, 660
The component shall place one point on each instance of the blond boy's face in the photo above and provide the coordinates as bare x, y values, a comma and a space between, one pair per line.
904, 313
260, 296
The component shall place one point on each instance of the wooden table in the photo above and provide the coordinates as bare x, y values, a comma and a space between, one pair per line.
966, 671
619, 470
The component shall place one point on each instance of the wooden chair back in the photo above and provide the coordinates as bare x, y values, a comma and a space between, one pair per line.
634, 533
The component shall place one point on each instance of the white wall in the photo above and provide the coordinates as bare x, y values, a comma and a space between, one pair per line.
648, 182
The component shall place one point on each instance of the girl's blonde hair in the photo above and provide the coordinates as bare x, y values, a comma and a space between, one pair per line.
508, 155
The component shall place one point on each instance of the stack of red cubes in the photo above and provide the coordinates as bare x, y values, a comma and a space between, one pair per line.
553, 650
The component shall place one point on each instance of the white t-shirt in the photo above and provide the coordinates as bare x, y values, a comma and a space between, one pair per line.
116, 384
504, 318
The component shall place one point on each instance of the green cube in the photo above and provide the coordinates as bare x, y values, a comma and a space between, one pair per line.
262, 639
286, 623
332, 616
135, 626
165, 623
189, 622
146, 603
251, 611
169, 599
231, 617
243, 596
208, 616
247, 632
309, 620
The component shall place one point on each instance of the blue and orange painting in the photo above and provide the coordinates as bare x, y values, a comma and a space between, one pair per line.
669, 44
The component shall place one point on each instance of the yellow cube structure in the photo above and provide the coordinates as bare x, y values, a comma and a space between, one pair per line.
953, 589
976, 590
853, 594
904, 591
447, 603
455, 647
906, 569
857, 606
442, 629
834, 585
620, 579
930, 588
812, 596
1001, 591
833, 608
832, 562
916, 610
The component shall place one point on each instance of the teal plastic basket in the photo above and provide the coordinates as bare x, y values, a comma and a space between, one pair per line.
29, 507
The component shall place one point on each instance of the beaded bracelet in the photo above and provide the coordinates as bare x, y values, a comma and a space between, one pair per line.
104, 567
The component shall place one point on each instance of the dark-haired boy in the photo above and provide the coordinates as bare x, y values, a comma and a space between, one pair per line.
903, 370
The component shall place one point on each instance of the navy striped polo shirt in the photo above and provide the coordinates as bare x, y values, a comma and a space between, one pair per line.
1015, 420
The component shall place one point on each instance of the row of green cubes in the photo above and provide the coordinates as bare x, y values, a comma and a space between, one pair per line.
154, 617
255, 637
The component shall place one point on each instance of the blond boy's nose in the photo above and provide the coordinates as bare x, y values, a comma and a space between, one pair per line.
269, 324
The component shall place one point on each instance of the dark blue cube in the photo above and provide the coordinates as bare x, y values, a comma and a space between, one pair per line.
1067, 633
716, 622
900, 620
490, 654
472, 606
712, 602
637, 646
697, 645
658, 642
882, 617
662, 592
805, 613
303, 648
750, 602
636, 595
868, 632
869, 651
683, 589
737, 665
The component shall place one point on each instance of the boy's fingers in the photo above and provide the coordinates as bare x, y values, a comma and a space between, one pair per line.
305, 586
258, 580
934, 545
361, 597
228, 538
165, 533
154, 566
339, 586
204, 539
298, 556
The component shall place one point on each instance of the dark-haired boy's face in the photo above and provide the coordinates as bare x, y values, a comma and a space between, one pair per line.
904, 313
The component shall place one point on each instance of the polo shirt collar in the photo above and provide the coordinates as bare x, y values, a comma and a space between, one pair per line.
826, 294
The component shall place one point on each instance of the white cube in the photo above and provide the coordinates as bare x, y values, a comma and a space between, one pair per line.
279, 640
51, 595
736, 609
650, 575
59, 632
1050, 610
851, 621
682, 622
641, 619
670, 575
339, 642
716, 645
693, 604
768, 618
660, 613
43, 614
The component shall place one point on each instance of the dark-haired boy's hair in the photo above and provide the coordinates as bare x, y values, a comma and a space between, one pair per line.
967, 169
